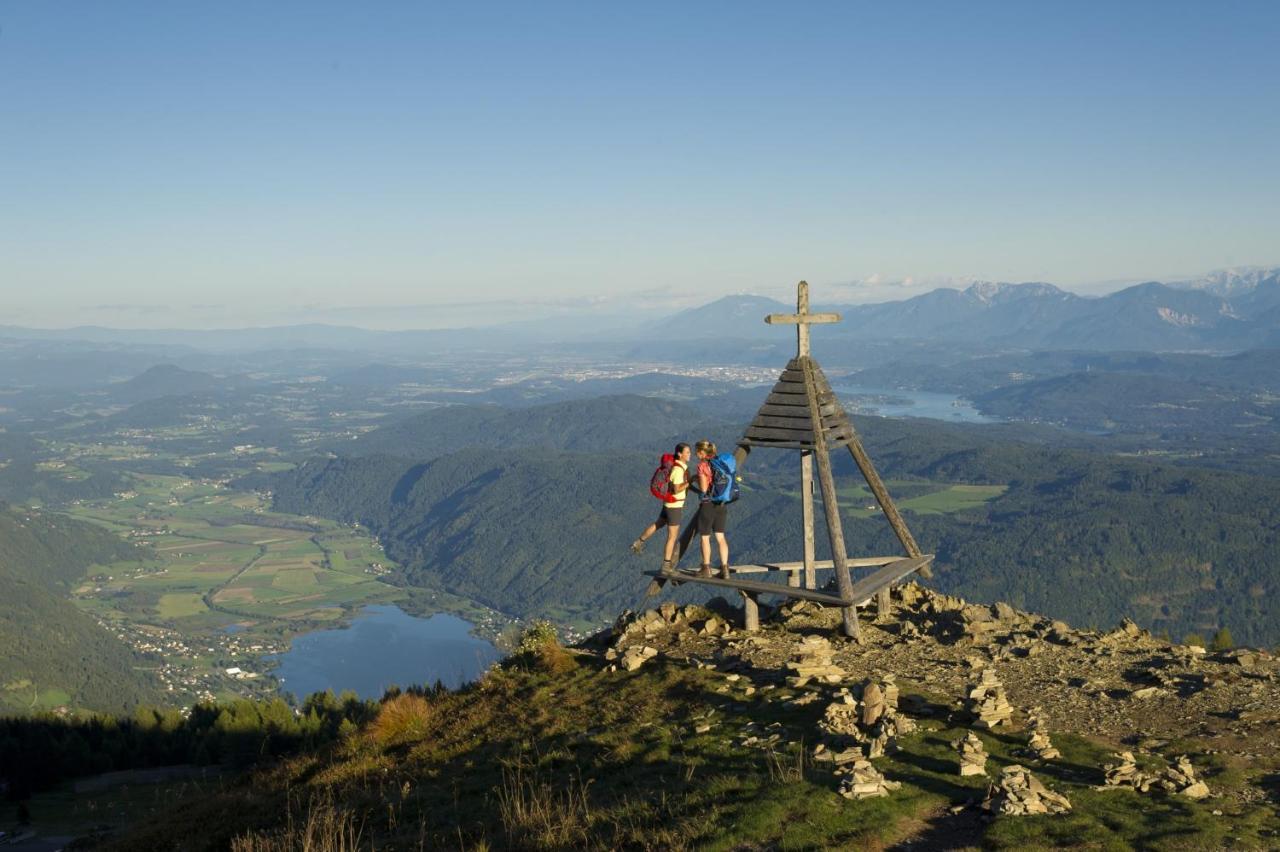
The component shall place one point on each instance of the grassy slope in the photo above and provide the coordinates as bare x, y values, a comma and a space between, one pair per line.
570, 756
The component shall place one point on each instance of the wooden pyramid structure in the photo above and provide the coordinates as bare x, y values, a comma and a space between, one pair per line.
802, 413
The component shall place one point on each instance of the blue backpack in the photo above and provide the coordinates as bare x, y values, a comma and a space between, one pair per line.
724, 479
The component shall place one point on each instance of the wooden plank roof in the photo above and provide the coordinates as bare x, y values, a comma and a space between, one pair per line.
784, 421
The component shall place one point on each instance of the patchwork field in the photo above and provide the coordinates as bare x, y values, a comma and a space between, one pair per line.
222, 578
924, 498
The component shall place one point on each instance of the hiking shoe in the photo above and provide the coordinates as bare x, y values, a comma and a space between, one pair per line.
637, 546
724, 572
667, 567
705, 570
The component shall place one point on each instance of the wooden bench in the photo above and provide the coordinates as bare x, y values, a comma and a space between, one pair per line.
862, 591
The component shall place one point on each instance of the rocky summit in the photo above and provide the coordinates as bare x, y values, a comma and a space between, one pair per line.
992, 667
951, 725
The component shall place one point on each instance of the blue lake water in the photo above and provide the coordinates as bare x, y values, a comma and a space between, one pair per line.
940, 406
383, 647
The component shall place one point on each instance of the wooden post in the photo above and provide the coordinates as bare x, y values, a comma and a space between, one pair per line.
806, 511
863, 461
750, 612
829, 504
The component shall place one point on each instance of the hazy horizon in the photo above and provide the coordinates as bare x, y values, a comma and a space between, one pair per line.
481, 314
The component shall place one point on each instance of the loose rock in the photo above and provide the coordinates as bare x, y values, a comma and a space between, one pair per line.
1125, 773
864, 781
1019, 793
1181, 779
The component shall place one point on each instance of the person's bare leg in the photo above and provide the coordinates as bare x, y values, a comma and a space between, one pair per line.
673, 533
724, 548
706, 550
637, 546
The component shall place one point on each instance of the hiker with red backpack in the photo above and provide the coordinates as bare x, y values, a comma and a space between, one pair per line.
669, 484
717, 483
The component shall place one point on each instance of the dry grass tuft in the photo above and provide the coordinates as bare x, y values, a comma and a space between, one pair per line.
405, 718
326, 827
540, 650
536, 815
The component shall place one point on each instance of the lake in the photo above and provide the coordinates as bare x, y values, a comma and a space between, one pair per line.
910, 403
383, 646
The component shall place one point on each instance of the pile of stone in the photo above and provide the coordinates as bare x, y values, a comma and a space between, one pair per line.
840, 719
977, 623
873, 703
973, 754
636, 656
910, 594
861, 780
1019, 793
1181, 779
1125, 773
1040, 744
813, 660
1061, 632
986, 700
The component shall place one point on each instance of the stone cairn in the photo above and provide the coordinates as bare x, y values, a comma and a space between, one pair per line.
973, 754
1019, 793
1125, 773
861, 780
814, 660
1040, 744
987, 702
880, 718
840, 719
1181, 779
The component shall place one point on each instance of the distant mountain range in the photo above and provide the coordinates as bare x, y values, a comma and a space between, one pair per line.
1227, 310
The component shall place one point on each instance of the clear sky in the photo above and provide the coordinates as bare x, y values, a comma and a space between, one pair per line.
399, 164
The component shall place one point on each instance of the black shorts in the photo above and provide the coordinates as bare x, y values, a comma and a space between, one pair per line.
669, 515
712, 518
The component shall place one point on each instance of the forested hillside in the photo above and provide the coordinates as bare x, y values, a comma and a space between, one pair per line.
1083, 536
604, 423
53, 653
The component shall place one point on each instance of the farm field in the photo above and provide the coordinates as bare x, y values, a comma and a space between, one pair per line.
936, 499
223, 581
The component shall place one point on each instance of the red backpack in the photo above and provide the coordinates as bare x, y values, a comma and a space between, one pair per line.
660, 483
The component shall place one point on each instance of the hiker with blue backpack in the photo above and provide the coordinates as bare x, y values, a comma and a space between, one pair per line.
718, 487
669, 484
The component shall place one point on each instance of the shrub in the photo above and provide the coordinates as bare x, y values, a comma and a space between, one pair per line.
540, 649
1222, 640
1194, 639
405, 718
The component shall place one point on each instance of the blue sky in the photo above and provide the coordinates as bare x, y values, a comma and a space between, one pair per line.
413, 164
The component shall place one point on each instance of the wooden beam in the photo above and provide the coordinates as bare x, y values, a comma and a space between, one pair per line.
806, 319
833, 442
832, 510
750, 612
883, 580
891, 513
806, 515
800, 409
754, 586
818, 565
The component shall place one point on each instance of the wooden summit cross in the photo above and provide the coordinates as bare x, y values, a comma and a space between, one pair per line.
803, 413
